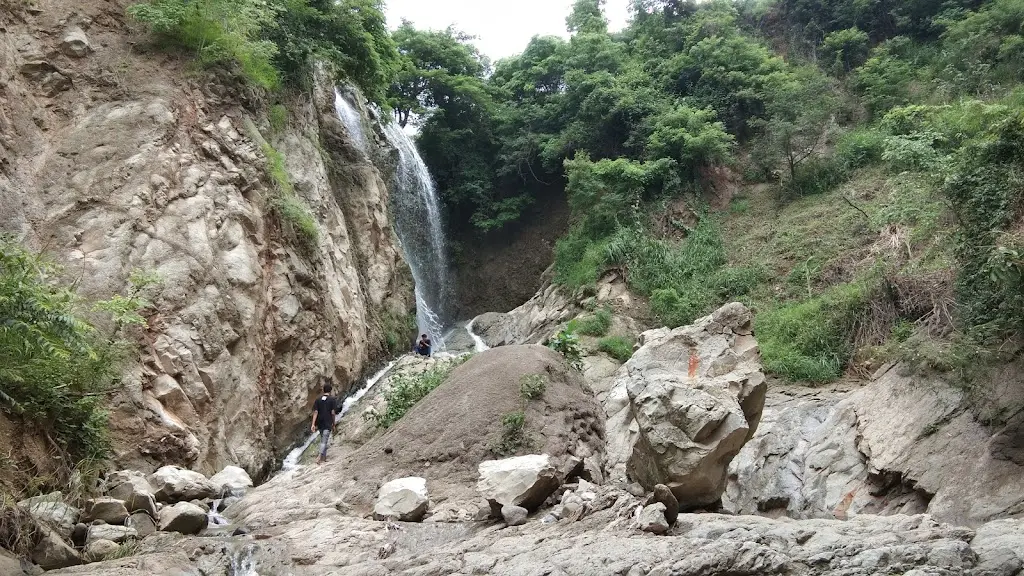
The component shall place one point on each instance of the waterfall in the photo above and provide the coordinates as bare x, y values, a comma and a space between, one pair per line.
417, 212
351, 118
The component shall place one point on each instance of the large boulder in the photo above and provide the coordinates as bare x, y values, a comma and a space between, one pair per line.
183, 517
524, 481
404, 499
98, 550
132, 487
52, 552
231, 481
142, 522
110, 532
695, 395
75, 43
174, 484
53, 511
107, 509
445, 437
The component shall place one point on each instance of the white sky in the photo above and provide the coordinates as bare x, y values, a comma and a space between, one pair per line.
503, 27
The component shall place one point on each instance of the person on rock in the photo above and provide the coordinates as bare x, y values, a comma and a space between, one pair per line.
423, 346
325, 410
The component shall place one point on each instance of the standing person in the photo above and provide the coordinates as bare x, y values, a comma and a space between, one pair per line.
325, 409
423, 346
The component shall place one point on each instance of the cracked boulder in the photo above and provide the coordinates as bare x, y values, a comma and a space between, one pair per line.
695, 397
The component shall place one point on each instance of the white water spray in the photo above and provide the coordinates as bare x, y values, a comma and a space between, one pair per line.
478, 343
351, 118
417, 212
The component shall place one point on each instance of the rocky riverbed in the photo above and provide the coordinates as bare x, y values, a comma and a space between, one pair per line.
432, 495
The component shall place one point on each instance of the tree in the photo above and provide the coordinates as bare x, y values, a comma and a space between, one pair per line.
844, 50
799, 108
587, 17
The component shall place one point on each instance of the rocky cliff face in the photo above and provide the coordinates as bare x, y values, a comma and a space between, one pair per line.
116, 159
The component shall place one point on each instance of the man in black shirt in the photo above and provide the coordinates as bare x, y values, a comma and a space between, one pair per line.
325, 409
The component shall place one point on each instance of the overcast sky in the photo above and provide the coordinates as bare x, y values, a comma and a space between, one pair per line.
503, 27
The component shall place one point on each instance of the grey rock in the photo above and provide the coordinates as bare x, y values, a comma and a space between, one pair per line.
183, 517
53, 552
404, 499
75, 43
174, 484
52, 511
525, 481
514, 515
665, 496
652, 519
107, 509
110, 532
142, 523
134, 489
231, 481
98, 550
80, 534
695, 395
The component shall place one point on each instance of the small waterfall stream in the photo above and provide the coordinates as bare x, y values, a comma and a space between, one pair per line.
351, 118
291, 461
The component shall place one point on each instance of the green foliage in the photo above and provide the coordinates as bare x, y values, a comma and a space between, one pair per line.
618, 347
278, 117
350, 34
57, 368
797, 115
845, 50
567, 344
513, 434
986, 187
399, 329
593, 325
287, 205
217, 31
271, 40
532, 386
811, 340
407, 389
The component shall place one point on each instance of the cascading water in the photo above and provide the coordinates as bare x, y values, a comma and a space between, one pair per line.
417, 212
418, 224
351, 118
291, 462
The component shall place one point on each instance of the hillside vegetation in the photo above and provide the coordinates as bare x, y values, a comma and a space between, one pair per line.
852, 169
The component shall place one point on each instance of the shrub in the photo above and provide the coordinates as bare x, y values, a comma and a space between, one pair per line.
513, 434
811, 340
567, 344
217, 31
291, 209
860, 148
57, 369
278, 117
594, 325
406, 390
617, 347
532, 386
268, 40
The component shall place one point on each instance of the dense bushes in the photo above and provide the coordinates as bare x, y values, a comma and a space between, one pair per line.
57, 367
811, 340
274, 40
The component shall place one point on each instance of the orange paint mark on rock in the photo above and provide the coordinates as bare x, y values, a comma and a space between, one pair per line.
694, 362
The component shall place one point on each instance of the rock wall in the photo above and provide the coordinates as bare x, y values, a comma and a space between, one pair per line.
115, 158
901, 444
